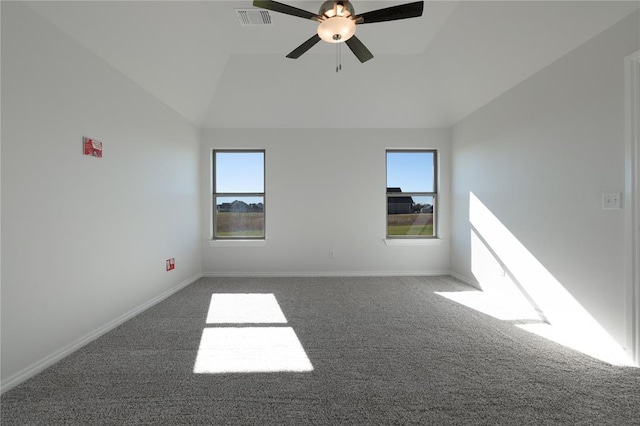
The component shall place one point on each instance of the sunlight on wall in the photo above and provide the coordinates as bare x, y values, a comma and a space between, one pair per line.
567, 322
258, 349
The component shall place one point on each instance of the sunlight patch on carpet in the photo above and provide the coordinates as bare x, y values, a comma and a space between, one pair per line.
585, 343
264, 347
251, 350
230, 308
500, 306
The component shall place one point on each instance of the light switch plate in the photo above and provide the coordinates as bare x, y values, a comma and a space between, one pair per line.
611, 201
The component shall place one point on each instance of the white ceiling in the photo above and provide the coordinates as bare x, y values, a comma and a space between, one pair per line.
430, 71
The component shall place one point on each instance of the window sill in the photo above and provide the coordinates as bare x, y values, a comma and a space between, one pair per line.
237, 243
391, 242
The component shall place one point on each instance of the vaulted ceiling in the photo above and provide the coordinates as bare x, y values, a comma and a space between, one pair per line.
430, 71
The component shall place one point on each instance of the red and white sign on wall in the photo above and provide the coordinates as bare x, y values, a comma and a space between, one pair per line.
92, 147
171, 264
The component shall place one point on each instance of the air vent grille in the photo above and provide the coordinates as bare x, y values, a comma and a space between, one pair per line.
253, 17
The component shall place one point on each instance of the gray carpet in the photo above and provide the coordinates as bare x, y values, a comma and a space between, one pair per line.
384, 351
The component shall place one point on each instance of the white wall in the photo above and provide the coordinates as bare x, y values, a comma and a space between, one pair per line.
84, 240
540, 157
325, 190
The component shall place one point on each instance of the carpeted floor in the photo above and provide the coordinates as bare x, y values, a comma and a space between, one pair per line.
384, 351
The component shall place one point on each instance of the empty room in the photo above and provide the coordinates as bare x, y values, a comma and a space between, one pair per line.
309, 212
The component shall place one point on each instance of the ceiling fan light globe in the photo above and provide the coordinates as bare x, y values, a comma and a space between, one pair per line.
336, 29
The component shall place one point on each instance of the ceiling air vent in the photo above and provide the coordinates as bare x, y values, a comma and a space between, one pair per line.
253, 17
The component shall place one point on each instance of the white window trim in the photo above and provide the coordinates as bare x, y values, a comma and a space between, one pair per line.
247, 241
414, 240
632, 203
237, 243
394, 242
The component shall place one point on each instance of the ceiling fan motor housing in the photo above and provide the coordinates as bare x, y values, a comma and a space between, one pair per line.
332, 5
337, 24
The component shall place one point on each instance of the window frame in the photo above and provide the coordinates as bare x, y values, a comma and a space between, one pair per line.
215, 195
433, 194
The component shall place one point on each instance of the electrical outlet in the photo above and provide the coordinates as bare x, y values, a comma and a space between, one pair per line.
332, 254
611, 201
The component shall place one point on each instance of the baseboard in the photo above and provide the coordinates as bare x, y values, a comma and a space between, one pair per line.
48, 361
469, 281
326, 274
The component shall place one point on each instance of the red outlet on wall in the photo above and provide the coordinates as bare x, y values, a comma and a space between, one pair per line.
171, 264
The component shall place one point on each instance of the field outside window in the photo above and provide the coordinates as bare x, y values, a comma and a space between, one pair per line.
411, 194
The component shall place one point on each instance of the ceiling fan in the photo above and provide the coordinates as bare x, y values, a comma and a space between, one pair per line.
337, 22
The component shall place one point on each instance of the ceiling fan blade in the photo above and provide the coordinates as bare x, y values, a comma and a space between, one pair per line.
298, 51
393, 13
286, 9
359, 49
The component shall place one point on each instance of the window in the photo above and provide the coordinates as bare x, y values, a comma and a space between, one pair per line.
411, 194
238, 195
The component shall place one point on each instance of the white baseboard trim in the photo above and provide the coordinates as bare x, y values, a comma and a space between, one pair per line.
326, 274
49, 360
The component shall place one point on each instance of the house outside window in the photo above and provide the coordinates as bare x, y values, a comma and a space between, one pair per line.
238, 194
411, 193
